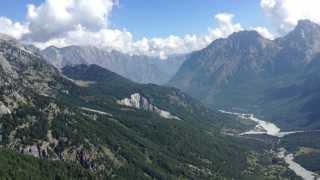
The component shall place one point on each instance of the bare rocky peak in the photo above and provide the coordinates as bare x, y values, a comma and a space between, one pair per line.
303, 43
248, 38
5, 37
250, 50
307, 26
241, 55
305, 35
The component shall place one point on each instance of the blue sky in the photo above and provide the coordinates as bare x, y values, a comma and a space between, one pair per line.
16, 9
179, 17
160, 18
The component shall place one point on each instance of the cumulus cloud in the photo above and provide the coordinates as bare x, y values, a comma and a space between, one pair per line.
14, 29
54, 18
225, 28
107, 38
286, 13
190, 42
264, 32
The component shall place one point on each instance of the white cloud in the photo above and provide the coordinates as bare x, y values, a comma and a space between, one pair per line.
107, 38
268, 3
286, 13
177, 45
14, 29
264, 32
54, 18
226, 26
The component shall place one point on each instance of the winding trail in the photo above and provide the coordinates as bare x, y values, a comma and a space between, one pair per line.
268, 128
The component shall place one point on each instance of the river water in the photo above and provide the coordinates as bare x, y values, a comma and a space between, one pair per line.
264, 127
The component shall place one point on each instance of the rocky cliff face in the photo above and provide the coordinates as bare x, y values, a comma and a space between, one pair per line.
140, 102
242, 55
141, 69
23, 72
24, 75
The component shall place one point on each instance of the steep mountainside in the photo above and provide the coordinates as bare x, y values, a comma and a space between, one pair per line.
141, 69
259, 75
114, 128
242, 56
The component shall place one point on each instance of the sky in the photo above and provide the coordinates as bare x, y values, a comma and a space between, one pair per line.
160, 18
148, 27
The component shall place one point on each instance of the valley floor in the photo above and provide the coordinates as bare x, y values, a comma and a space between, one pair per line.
270, 129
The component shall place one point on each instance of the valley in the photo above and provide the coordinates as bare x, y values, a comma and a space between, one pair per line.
274, 79
87, 94
271, 129
99, 124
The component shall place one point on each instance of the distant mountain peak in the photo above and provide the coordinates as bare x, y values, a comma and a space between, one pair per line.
142, 69
52, 47
306, 28
246, 34
305, 38
6, 37
246, 38
307, 24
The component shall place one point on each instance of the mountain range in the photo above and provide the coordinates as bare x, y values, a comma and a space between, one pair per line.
86, 122
141, 69
276, 79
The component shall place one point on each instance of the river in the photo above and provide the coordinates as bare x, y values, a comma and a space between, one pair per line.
264, 127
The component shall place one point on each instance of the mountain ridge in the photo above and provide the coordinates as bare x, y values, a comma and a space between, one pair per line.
142, 69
